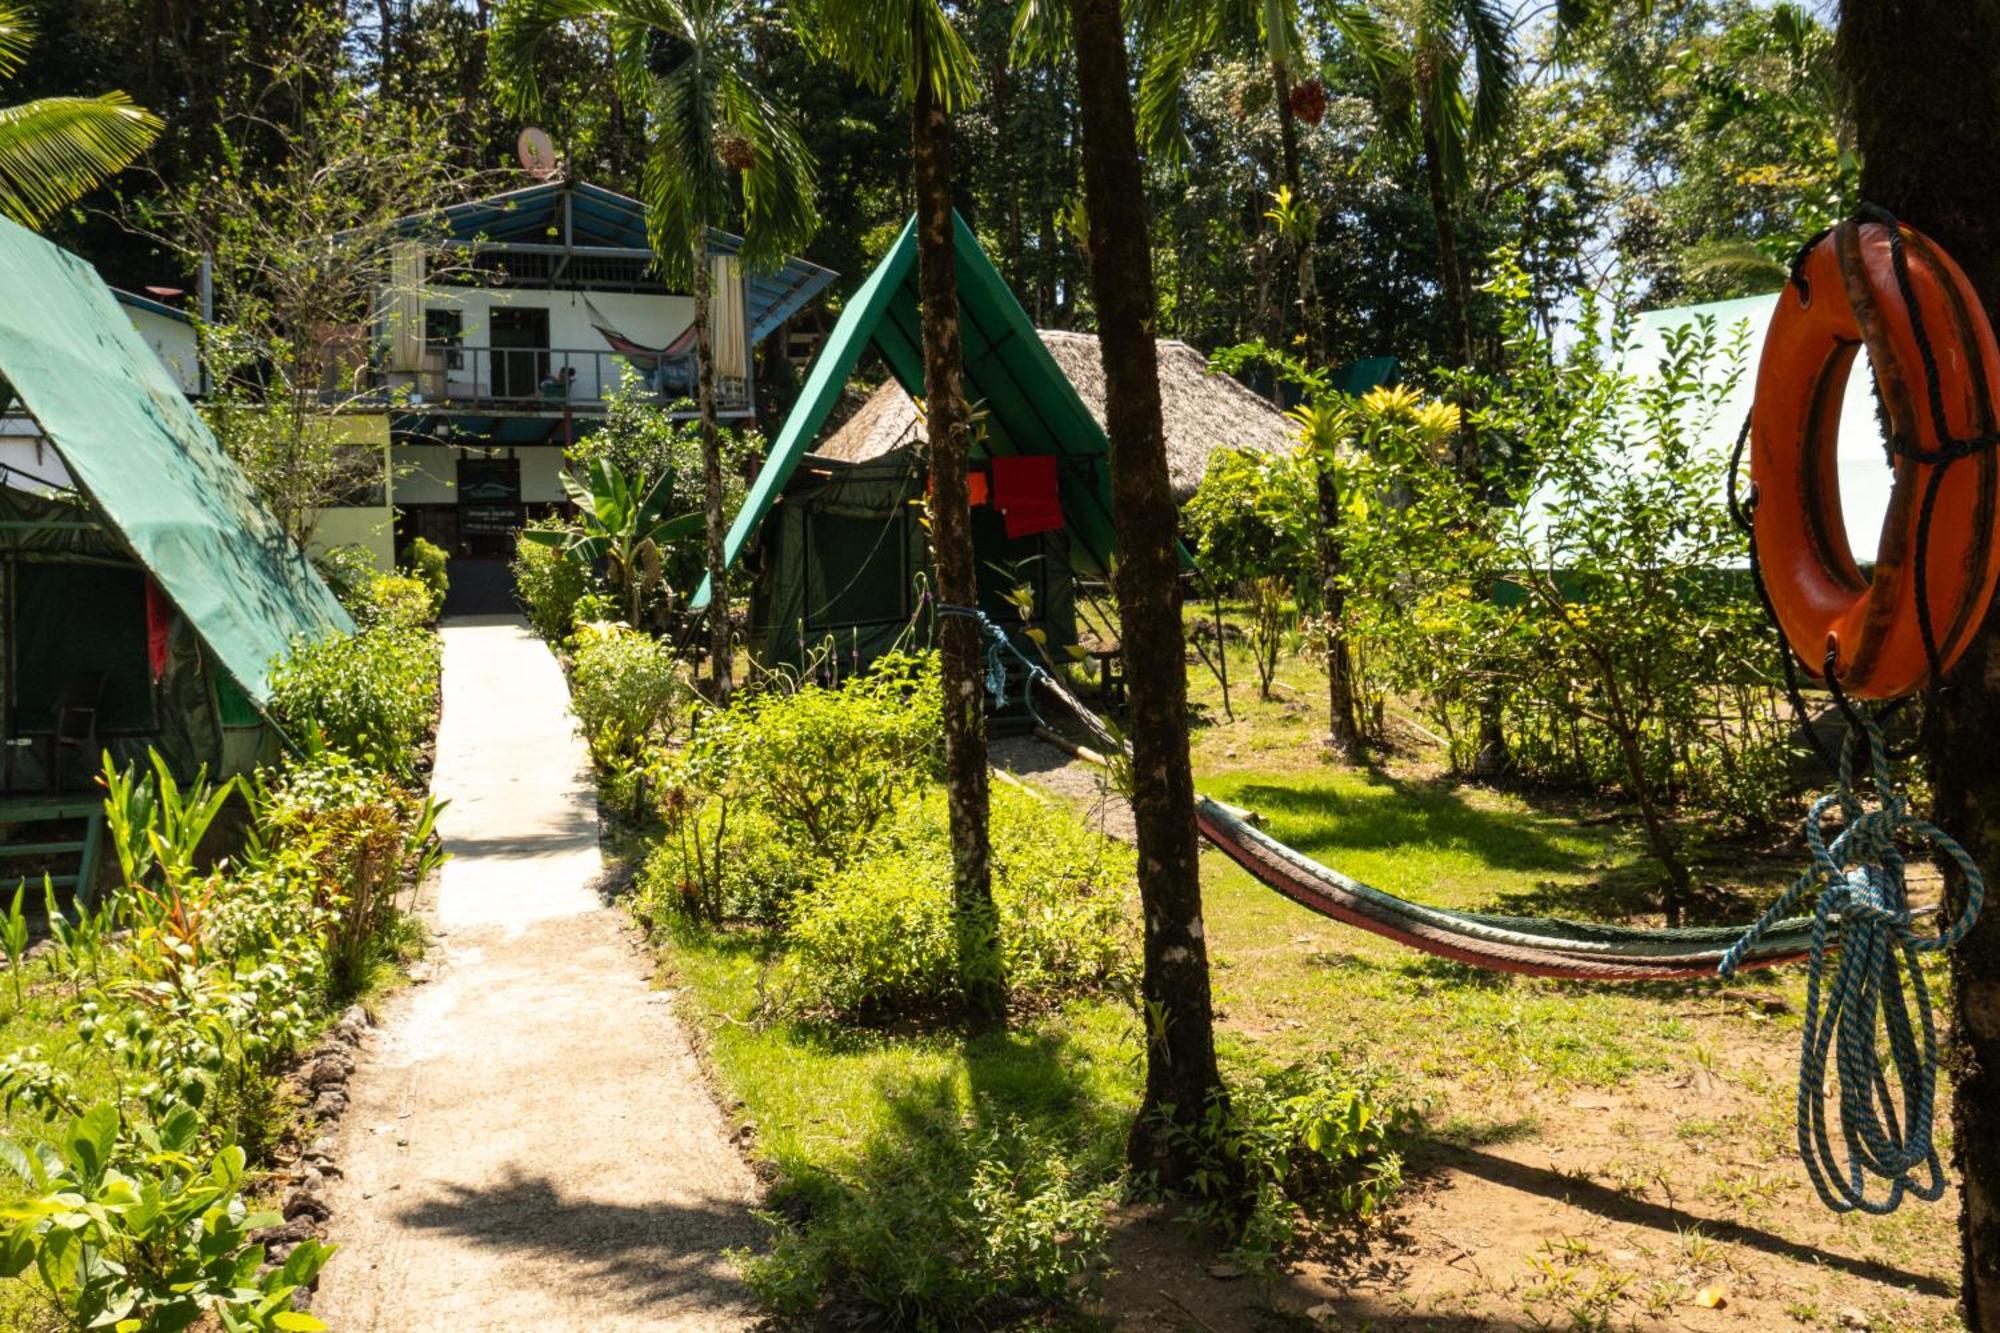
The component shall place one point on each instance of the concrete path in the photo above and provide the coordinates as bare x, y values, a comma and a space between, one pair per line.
530, 1143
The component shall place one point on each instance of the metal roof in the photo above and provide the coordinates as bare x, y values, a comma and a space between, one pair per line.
588, 218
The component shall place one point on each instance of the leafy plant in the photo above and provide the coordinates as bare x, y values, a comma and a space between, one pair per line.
1286, 1151
394, 601
373, 695
628, 690
428, 563
547, 583
140, 1230
14, 938
622, 523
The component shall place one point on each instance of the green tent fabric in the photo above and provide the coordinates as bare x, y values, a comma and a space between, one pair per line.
142, 456
1030, 405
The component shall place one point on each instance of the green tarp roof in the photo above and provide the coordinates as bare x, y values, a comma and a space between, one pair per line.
1031, 406
147, 461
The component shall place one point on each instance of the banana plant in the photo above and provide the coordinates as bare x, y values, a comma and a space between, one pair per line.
620, 523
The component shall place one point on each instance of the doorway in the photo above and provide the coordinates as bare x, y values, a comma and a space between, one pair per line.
520, 339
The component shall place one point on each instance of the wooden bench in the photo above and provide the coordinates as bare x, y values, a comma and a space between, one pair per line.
17, 810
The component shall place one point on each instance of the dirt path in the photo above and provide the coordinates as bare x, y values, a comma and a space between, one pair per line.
530, 1144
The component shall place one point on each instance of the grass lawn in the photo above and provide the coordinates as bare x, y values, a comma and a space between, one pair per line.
1595, 1156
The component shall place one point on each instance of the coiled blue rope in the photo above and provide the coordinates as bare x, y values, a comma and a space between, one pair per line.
1876, 985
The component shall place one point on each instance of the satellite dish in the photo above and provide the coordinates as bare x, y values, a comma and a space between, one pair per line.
537, 154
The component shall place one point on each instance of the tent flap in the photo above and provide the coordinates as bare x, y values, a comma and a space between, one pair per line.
151, 467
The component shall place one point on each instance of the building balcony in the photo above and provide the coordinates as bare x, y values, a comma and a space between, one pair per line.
496, 381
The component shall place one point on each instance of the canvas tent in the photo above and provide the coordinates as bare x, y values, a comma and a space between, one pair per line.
839, 542
157, 570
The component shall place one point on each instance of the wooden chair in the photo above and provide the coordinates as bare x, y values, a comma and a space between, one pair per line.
75, 726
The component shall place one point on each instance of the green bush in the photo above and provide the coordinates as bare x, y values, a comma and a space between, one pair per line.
547, 584
628, 691
876, 939
1293, 1148
372, 694
721, 862
347, 570
394, 601
429, 563
943, 1229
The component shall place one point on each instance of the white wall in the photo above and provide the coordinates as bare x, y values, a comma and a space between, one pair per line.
373, 529
29, 458
174, 342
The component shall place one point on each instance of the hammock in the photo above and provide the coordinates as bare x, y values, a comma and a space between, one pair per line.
1532, 946
641, 356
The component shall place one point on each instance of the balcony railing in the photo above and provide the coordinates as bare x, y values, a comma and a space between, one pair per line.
505, 379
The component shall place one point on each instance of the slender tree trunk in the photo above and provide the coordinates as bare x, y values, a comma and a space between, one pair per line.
719, 650
1458, 325
1181, 1073
982, 979
1302, 246
1924, 82
1343, 726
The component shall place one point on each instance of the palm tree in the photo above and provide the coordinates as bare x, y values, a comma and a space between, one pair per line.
912, 48
1444, 78
717, 150
1182, 1079
55, 150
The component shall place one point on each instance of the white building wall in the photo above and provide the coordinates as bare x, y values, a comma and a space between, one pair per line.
174, 342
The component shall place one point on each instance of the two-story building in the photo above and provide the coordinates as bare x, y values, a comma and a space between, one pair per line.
511, 322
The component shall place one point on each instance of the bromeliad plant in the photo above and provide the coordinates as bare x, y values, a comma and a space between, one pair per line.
621, 523
156, 827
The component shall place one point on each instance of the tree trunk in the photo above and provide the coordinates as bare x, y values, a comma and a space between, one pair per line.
1302, 247
1458, 325
1924, 80
719, 650
1181, 1073
982, 979
1343, 726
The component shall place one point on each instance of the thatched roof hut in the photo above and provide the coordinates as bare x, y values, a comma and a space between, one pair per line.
1203, 412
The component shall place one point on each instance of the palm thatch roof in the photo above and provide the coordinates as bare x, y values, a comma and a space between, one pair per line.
1203, 412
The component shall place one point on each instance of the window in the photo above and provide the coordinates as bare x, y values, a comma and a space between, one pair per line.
444, 331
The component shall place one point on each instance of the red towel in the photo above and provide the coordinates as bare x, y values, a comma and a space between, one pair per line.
159, 621
975, 487
1025, 490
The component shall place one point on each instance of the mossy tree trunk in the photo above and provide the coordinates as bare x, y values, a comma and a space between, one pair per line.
1181, 1073
982, 979
1924, 79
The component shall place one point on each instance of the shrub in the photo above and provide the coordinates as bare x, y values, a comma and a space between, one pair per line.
628, 691
547, 584
945, 1228
719, 862
347, 570
429, 564
876, 939
393, 601
372, 694
1294, 1148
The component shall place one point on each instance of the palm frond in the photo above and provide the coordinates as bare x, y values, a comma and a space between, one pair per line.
514, 47
781, 186
56, 150
889, 47
1040, 33
1489, 38
17, 34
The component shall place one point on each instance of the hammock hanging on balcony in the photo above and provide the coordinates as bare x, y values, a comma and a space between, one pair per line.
642, 357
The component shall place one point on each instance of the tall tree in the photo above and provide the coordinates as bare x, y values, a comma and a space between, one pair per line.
1444, 81
1923, 77
914, 48
719, 152
55, 150
1182, 1079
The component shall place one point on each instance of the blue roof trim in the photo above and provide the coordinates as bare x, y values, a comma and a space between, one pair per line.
147, 303
607, 220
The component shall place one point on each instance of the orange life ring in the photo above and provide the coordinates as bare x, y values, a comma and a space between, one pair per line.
1847, 292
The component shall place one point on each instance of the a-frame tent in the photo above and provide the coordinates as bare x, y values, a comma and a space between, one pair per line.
149, 486
1030, 406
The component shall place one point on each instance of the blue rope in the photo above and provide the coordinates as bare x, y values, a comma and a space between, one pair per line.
1859, 877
